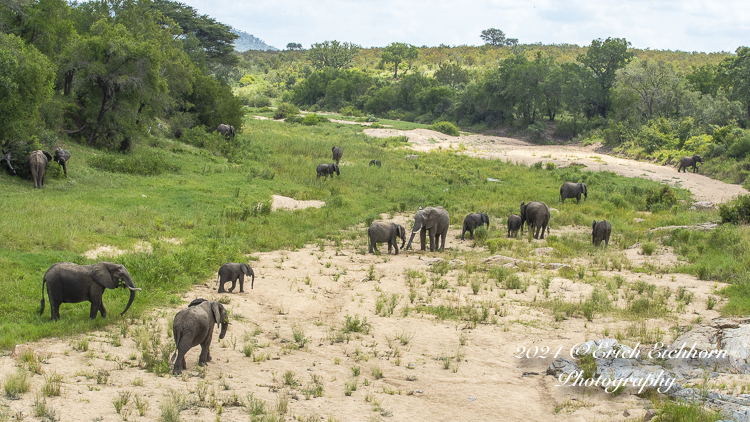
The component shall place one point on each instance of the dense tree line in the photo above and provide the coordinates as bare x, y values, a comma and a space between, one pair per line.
103, 72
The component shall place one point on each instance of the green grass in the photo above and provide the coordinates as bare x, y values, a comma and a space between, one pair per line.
211, 204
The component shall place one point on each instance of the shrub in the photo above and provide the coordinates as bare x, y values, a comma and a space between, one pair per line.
351, 111
151, 163
295, 119
285, 110
447, 128
736, 211
661, 197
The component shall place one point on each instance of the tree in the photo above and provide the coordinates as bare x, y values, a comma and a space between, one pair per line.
26, 78
651, 89
398, 52
452, 74
604, 58
496, 37
292, 46
332, 54
736, 76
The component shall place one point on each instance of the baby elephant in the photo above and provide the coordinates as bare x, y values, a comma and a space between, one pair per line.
381, 231
601, 231
232, 271
327, 169
514, 224
194, 326
473, 221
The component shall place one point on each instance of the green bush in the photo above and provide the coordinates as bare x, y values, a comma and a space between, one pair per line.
295, 119
663, 197
447, 128
151, 163
736, 211
351, 111
285, 110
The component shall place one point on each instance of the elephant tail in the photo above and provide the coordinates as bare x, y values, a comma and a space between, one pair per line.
177, 336
41, 311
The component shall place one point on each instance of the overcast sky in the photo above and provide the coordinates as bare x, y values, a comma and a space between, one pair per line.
687, 25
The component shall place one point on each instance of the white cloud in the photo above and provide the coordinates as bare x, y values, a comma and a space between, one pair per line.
657, 24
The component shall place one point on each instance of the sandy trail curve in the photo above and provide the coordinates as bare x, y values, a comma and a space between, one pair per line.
520, 152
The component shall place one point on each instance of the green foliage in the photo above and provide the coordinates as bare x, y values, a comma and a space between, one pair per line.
496, 38
736, 211
333, 54
143, 163
214, 103
398, 52
447, 128
285, 110
664, 197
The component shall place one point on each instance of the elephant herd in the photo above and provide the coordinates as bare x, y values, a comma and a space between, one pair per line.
67, 282
38, 163
434, 221
330, 169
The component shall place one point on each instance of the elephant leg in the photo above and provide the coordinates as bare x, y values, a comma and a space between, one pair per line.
441, 238
94, 309
423, 238
242, 283
65, 168
54, 310
222, 280
432, 241
544, 228
205, 356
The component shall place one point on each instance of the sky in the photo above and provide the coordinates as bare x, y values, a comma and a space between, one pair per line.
686, 25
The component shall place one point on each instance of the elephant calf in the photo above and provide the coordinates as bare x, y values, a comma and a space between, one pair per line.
194, 326
686, 162
514, 224
474, 221
232, 271
337, 153
380, 231
601, 230
327, 169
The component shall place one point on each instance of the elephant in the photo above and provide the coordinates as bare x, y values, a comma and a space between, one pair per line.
435, 220
226, 130
381, 231
72, 283
536, 215
61, 157
686, 162
232, 271
337, 153
5, 158
474, 221
327, 169
375, 163
514, 224
573, 190
194, 326
600, 231
37, 164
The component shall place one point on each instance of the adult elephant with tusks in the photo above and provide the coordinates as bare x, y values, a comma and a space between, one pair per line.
233, 271
72, 283
536, 215
381, 231
5, 158
61, 157
474, 221
434, 220
194, 326
37, 165
226, 130
327, 169
573, 190
686, 162
601, 230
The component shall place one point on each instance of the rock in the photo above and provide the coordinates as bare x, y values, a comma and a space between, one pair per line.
600, 346
489, 179
639, 220
471, 399
434, 261
626, 413
542, 251
22, 349
455, 262
411, 157
556, 266
729, 335
704, 205
562, 366
650, 413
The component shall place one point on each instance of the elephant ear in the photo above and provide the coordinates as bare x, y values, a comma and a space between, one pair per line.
593, 226
196, 302
245, 269
217, 309
102, 274
48, 155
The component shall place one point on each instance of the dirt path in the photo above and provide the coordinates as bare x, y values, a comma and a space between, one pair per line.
497, 147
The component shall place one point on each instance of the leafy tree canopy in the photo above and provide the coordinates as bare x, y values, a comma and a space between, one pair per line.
496, 37
332, 54
292, 46
604, 58
398, 52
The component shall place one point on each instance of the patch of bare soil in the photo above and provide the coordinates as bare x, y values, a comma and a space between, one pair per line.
286, 203
513, 150
432, 369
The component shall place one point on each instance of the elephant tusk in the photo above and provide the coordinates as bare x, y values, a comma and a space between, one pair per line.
134, 288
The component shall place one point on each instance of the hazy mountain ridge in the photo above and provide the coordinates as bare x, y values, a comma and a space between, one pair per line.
249, 42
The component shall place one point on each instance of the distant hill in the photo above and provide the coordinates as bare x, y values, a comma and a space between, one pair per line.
248, 42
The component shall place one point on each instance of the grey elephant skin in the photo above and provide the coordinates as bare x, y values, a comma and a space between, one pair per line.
601, 230
327, 169
686, 162
381, 231
194, 326
5, 158
226, 130
434, 220
337, 153
375, 163
61, 157
233, 271
514, 224
37, 164
536, 215
72, 283
573, 190
473, 221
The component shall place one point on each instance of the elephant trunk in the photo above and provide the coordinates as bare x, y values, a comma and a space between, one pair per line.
410, 239
130, 301
223, 330
252, 279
